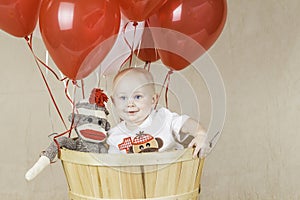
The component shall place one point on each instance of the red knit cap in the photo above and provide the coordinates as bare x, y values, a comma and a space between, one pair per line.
98, 97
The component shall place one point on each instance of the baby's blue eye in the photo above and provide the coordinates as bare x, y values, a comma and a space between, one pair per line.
122, 98
138, 97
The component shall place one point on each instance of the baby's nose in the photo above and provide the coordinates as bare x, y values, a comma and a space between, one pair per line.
130, 102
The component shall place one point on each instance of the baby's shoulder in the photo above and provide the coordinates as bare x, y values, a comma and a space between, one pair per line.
115, 129
119, 129
164, 113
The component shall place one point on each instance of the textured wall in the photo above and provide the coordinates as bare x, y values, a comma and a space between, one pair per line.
258, 56
257, 154
26, 114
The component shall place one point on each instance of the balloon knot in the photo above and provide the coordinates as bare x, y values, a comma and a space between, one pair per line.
74, 82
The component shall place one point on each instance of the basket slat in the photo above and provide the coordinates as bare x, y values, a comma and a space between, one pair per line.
199, 173
162, 176
86, 181
150, 176
133, 186
74, 179
110, 181
185, 177
174, 175
95, 180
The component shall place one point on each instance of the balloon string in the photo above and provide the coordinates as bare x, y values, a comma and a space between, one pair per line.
167, 89
166, 78
72, 122
131, 47
147, 65
29, 42
82, 89
59, 135
127, 43
123, 63
123, 34
66, 92
73, 108
139, 47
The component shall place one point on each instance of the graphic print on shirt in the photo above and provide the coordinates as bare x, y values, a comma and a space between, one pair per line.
141, 143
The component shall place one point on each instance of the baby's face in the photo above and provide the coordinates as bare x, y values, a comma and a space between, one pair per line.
134, 99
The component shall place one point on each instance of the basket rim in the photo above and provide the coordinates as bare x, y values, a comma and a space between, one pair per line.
105, 159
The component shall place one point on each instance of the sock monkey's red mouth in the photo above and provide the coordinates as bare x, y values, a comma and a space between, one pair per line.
93, 135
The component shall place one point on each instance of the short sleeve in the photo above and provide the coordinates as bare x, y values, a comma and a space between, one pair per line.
177, 120
112, 145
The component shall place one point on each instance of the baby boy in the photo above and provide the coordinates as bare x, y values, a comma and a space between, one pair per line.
144, 128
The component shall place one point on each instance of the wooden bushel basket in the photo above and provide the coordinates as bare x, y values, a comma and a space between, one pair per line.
161, 176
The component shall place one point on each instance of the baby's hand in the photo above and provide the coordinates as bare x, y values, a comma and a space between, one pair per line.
200, 144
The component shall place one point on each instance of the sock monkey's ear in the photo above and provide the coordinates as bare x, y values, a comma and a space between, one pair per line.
106, 111
107, 126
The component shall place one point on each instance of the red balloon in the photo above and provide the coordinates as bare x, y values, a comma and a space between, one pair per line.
79, 34
140, 10
147, 51
201, 21
19, 17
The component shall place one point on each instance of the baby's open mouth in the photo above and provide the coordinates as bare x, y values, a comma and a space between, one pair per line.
132, 111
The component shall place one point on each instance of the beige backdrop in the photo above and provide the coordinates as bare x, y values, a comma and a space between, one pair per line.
257, 155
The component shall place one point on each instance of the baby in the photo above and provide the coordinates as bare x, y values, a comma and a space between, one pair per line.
144, 128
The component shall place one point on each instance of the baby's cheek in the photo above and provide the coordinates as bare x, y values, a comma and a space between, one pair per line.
119, 106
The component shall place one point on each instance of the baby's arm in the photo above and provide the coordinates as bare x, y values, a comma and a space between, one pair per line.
194, 129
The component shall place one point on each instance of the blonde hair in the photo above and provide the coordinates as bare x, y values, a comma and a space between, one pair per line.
138, 72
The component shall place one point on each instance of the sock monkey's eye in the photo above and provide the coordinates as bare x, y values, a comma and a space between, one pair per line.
90, 120
100, 122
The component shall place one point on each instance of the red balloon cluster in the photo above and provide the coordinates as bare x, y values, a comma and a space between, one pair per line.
79, 34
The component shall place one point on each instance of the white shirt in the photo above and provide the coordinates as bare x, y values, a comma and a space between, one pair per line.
161, 123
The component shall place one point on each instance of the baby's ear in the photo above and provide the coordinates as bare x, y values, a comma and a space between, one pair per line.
154, 98
112, 99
